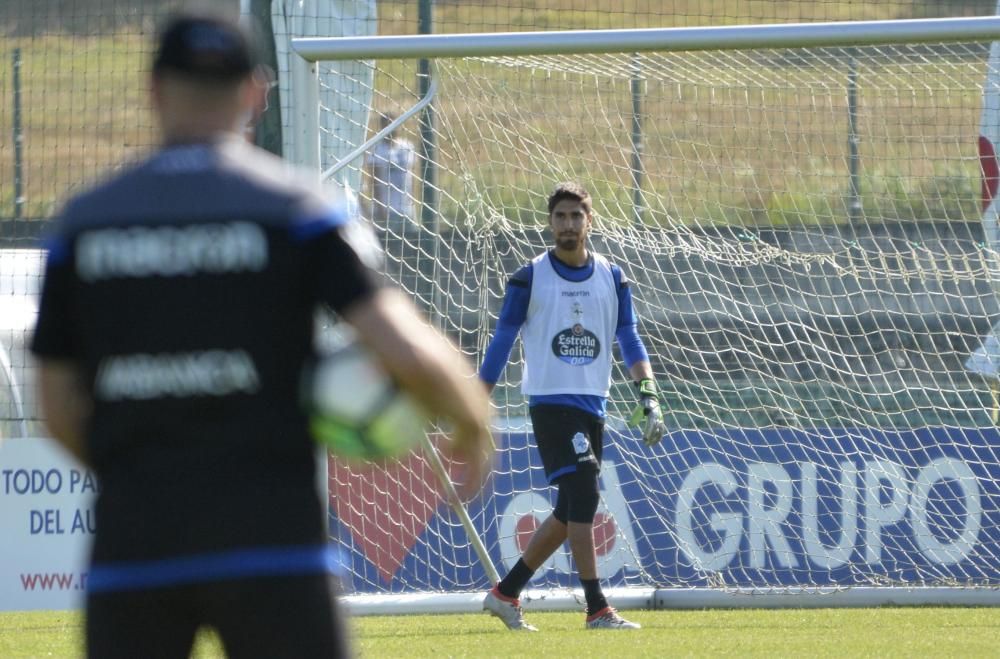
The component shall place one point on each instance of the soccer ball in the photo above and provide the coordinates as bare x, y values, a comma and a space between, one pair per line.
358, 411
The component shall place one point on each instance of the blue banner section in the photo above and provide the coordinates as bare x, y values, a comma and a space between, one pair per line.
738, 507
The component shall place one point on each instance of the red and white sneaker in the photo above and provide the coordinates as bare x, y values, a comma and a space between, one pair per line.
608, 618
507, 609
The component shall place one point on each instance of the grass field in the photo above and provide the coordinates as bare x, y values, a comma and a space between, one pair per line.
885, 632
84, 109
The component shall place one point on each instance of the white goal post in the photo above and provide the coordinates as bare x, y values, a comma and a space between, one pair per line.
799, 210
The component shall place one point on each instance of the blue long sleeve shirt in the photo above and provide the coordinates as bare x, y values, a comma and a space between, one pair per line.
515, 310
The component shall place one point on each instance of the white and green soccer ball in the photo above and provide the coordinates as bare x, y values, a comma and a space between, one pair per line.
358, 411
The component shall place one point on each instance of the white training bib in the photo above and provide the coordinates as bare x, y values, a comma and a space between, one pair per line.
568, 331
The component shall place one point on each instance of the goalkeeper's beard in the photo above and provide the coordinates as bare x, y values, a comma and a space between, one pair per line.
568, 242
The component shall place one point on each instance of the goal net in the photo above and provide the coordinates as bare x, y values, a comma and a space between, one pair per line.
802, 228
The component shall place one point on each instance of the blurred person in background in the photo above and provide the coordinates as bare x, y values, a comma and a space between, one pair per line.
175, 323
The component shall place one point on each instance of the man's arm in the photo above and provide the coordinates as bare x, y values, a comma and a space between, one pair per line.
512, 315
497, 354
65, 403
647, 414
432, 370
64, 398
411, 157
369, 184
641, 371
627, 331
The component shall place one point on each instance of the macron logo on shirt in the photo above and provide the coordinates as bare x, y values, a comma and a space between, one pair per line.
170, 251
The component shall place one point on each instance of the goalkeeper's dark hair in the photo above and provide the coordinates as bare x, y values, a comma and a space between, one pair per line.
571, 190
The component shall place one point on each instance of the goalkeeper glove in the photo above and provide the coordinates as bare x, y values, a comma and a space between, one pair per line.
647, 414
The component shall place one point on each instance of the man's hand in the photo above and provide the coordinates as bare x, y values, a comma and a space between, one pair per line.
474, 448
647, 414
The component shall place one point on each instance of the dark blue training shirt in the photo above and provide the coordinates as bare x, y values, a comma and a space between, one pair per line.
185, 290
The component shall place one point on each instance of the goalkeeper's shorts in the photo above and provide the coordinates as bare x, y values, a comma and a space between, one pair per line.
568, 439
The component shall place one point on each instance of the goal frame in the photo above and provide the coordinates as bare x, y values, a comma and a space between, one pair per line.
311, 50
306, 152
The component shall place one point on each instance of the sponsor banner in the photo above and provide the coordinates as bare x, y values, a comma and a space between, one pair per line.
739, 507
47, 521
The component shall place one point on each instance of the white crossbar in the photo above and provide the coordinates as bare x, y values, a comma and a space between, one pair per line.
729, 37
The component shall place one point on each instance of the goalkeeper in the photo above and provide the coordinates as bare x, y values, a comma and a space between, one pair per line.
568, 305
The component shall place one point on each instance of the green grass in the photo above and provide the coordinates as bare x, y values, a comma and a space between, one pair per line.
883, 632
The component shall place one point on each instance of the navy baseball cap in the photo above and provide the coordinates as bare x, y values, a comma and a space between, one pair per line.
205, 47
